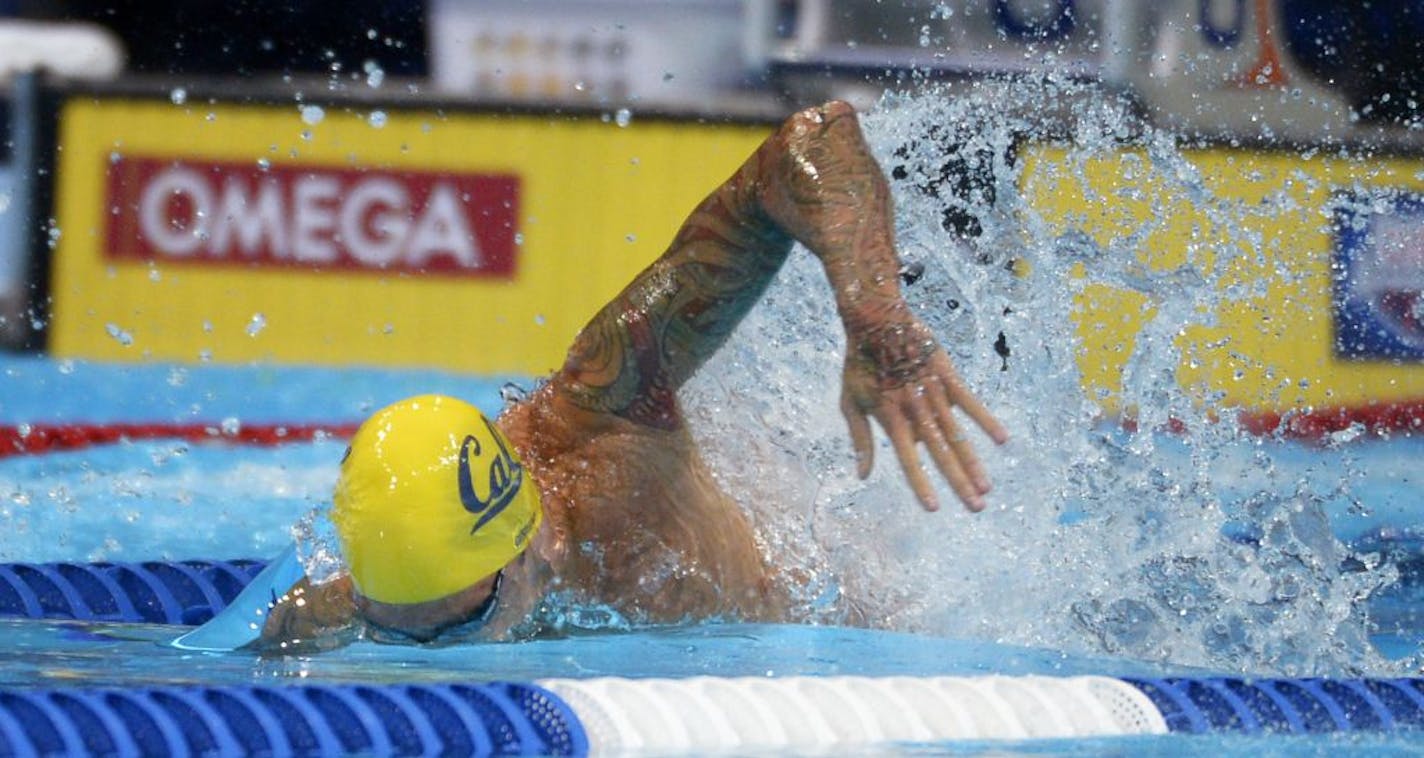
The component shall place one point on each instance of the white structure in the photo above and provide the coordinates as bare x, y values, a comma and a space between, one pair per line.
596, 51
719, 715
27, 49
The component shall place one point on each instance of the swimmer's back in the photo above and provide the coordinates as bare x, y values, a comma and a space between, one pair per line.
636, 517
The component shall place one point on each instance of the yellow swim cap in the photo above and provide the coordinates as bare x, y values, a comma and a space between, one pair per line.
430, 500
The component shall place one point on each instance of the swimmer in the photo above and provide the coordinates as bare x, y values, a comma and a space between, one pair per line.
453, 526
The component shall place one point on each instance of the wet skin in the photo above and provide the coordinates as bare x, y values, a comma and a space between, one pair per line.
633, 516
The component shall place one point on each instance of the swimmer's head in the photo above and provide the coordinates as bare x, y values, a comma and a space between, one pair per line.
430, 500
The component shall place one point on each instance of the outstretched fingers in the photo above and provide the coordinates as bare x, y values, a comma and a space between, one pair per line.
903, 438
939, 433
959, 444
924, 411
959, 394
861, 438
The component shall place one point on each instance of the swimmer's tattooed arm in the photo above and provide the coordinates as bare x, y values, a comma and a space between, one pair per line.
813, 181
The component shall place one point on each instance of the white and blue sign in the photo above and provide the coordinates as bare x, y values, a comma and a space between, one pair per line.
1378, 288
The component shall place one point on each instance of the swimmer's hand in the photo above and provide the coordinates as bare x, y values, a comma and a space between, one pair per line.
897, 372
310, 617
823, 187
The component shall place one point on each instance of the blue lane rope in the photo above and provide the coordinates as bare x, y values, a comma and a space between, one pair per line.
529, 719
19, 599
1296, 706
309, 719
152, 592
473, 718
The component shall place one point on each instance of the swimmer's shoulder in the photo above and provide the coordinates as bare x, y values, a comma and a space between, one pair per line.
555, 419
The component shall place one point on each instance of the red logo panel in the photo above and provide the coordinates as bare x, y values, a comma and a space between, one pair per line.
312, 217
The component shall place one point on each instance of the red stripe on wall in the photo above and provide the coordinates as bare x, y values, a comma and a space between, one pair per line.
30, 439
1388, 419
1379, 420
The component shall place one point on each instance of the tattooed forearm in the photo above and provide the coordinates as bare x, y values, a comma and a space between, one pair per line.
830, 194
813, 181
641, 347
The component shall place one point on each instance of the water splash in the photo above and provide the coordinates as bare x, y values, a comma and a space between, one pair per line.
1190, 548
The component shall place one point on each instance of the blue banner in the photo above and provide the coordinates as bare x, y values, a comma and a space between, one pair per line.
1378, 271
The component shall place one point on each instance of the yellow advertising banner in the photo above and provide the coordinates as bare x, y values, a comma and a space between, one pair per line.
234, 233
1321, 262
482, 242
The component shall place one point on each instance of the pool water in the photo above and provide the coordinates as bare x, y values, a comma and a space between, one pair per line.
174, 499
130, 655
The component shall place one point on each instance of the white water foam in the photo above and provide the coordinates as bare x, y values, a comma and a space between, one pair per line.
1096, 540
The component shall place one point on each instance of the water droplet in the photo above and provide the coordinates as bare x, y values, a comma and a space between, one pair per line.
623, 117
377, 119
375, 75
119, 335
1350, 433
512, 393
312, 114
256, 325
231, 426
179, 96
263, 164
